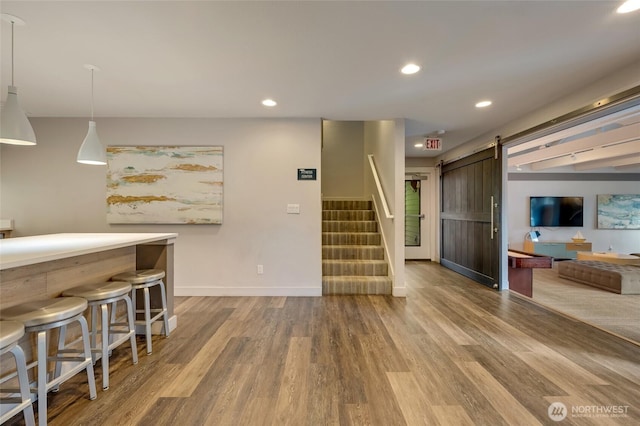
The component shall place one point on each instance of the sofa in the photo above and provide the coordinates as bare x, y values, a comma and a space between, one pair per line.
621, 279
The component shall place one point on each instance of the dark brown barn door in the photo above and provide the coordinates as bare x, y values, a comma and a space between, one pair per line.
470, 216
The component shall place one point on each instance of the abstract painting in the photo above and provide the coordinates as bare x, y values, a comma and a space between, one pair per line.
619, 211
165, 184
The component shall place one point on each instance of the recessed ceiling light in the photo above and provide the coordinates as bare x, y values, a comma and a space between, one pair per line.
269, 103
629, 6
418, 145
410, 69
483, 104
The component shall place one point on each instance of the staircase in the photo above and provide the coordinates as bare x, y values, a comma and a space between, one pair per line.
352, 253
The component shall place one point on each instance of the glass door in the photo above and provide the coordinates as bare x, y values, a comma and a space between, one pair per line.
416, 239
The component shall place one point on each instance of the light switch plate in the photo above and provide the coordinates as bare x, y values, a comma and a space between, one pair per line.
293, 208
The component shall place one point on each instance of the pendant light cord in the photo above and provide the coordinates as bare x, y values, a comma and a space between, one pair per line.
12, 24
91, 94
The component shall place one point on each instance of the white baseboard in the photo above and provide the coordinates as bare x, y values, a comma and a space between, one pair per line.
399, 291
248, 291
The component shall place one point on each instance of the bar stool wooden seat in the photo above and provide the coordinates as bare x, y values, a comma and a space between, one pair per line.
41, 316
100, 296
144, 279
10, 334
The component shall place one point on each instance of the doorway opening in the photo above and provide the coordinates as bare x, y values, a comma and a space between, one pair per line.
417, 234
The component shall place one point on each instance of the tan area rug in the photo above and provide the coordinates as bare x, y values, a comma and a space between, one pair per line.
616, 313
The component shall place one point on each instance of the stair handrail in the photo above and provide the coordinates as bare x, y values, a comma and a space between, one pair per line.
376, 178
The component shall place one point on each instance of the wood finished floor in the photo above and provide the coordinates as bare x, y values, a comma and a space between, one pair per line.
452, 353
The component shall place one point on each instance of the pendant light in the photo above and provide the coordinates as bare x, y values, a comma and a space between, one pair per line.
91, 150
15, 128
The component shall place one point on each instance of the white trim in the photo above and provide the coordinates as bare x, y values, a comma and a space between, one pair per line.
399, 291
383, 197
247, 291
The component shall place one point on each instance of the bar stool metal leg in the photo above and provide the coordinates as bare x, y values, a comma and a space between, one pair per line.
42, 377
164, 309
85, 359
62, 336
105, 345
132, 329
114, 307
23, 380
94, 330
87, 356
18, 400
143, 280
147, 319
40, 317
104, 296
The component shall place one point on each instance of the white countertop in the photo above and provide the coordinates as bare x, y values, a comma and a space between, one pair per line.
22, 251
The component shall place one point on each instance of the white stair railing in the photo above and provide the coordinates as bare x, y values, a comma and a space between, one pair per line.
381, 195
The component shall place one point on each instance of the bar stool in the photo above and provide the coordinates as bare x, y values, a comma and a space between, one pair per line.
143, 279
41, 316
10, 334
100, 296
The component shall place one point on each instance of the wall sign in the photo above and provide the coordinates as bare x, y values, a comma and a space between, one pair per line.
306, 174
432, 144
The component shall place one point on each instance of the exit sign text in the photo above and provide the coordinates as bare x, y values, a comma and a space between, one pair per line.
432, 144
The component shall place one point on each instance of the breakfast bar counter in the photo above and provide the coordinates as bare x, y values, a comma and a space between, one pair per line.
43, 266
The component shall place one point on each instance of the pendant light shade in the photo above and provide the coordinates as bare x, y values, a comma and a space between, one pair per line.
92, 151
15, 128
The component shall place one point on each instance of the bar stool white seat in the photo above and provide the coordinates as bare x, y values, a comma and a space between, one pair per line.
100, 296
41, 316
144, 279
10, 334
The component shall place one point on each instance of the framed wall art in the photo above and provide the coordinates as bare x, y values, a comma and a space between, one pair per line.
165, 184
619, 211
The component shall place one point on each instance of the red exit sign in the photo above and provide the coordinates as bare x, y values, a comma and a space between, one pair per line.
432, 144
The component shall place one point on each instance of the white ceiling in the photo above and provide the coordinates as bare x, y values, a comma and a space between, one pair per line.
329, 59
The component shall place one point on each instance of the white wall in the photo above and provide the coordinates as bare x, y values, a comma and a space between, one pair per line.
622, 241
45, 191
385, 140
342, 164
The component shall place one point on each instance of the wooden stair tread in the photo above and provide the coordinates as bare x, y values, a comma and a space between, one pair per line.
354, 246
353, 259
362, 278
348, 233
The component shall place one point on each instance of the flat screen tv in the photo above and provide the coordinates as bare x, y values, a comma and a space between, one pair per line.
556, 211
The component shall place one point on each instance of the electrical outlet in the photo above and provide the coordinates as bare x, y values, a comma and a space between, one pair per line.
260, 270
